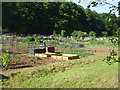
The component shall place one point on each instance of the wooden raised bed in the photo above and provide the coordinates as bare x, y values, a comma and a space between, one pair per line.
58, 56
55, 54
69, 56
42, 55
65, 57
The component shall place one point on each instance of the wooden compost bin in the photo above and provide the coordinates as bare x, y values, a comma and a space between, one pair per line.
42, 55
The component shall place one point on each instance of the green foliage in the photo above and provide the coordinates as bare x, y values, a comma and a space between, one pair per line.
16, 61
117, 33
99, 42
114, 41
30, 60
37, 39
74, 33
39, 20
81, 73
22, 63
104, 33
29, 39
111, 59
37, 58
80, 52
92, 34
54, 34
77, 34
5, 59
63, 33
52, 43
33, 39
80, 34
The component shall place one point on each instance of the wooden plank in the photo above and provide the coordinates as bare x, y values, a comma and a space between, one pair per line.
59, 57
54, 57
42, 55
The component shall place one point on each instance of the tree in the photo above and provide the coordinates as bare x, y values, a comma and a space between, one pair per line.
36, 18
113, 8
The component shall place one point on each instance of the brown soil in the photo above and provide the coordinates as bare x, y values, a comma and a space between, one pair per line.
25, 61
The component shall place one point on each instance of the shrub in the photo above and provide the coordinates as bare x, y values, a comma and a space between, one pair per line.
63, 33
30, 60
80, 34
37, 39
104, 33
16, 61
92, 34
33, 39
74, 33
29, 39
22, 62
6, 59
54, 33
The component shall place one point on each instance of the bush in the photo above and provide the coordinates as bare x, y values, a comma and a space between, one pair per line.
37, 39
104, 33
22, 63
29, 39
6, 59
63, 33
54, 33
33, 39
92, 34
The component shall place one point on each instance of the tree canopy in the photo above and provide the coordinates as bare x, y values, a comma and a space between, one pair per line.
58, 17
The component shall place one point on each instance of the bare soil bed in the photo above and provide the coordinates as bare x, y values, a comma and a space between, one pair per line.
26, 61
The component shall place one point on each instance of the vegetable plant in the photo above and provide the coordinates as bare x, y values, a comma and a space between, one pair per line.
5, 59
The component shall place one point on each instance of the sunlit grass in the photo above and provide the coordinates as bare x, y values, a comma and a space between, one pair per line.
87, 72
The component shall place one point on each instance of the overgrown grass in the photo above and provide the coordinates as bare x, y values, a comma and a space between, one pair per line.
88, 72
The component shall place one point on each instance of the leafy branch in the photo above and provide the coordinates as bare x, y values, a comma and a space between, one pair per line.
112, 7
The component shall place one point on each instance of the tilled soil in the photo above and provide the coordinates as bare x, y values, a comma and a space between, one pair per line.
28, 61
25, 61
